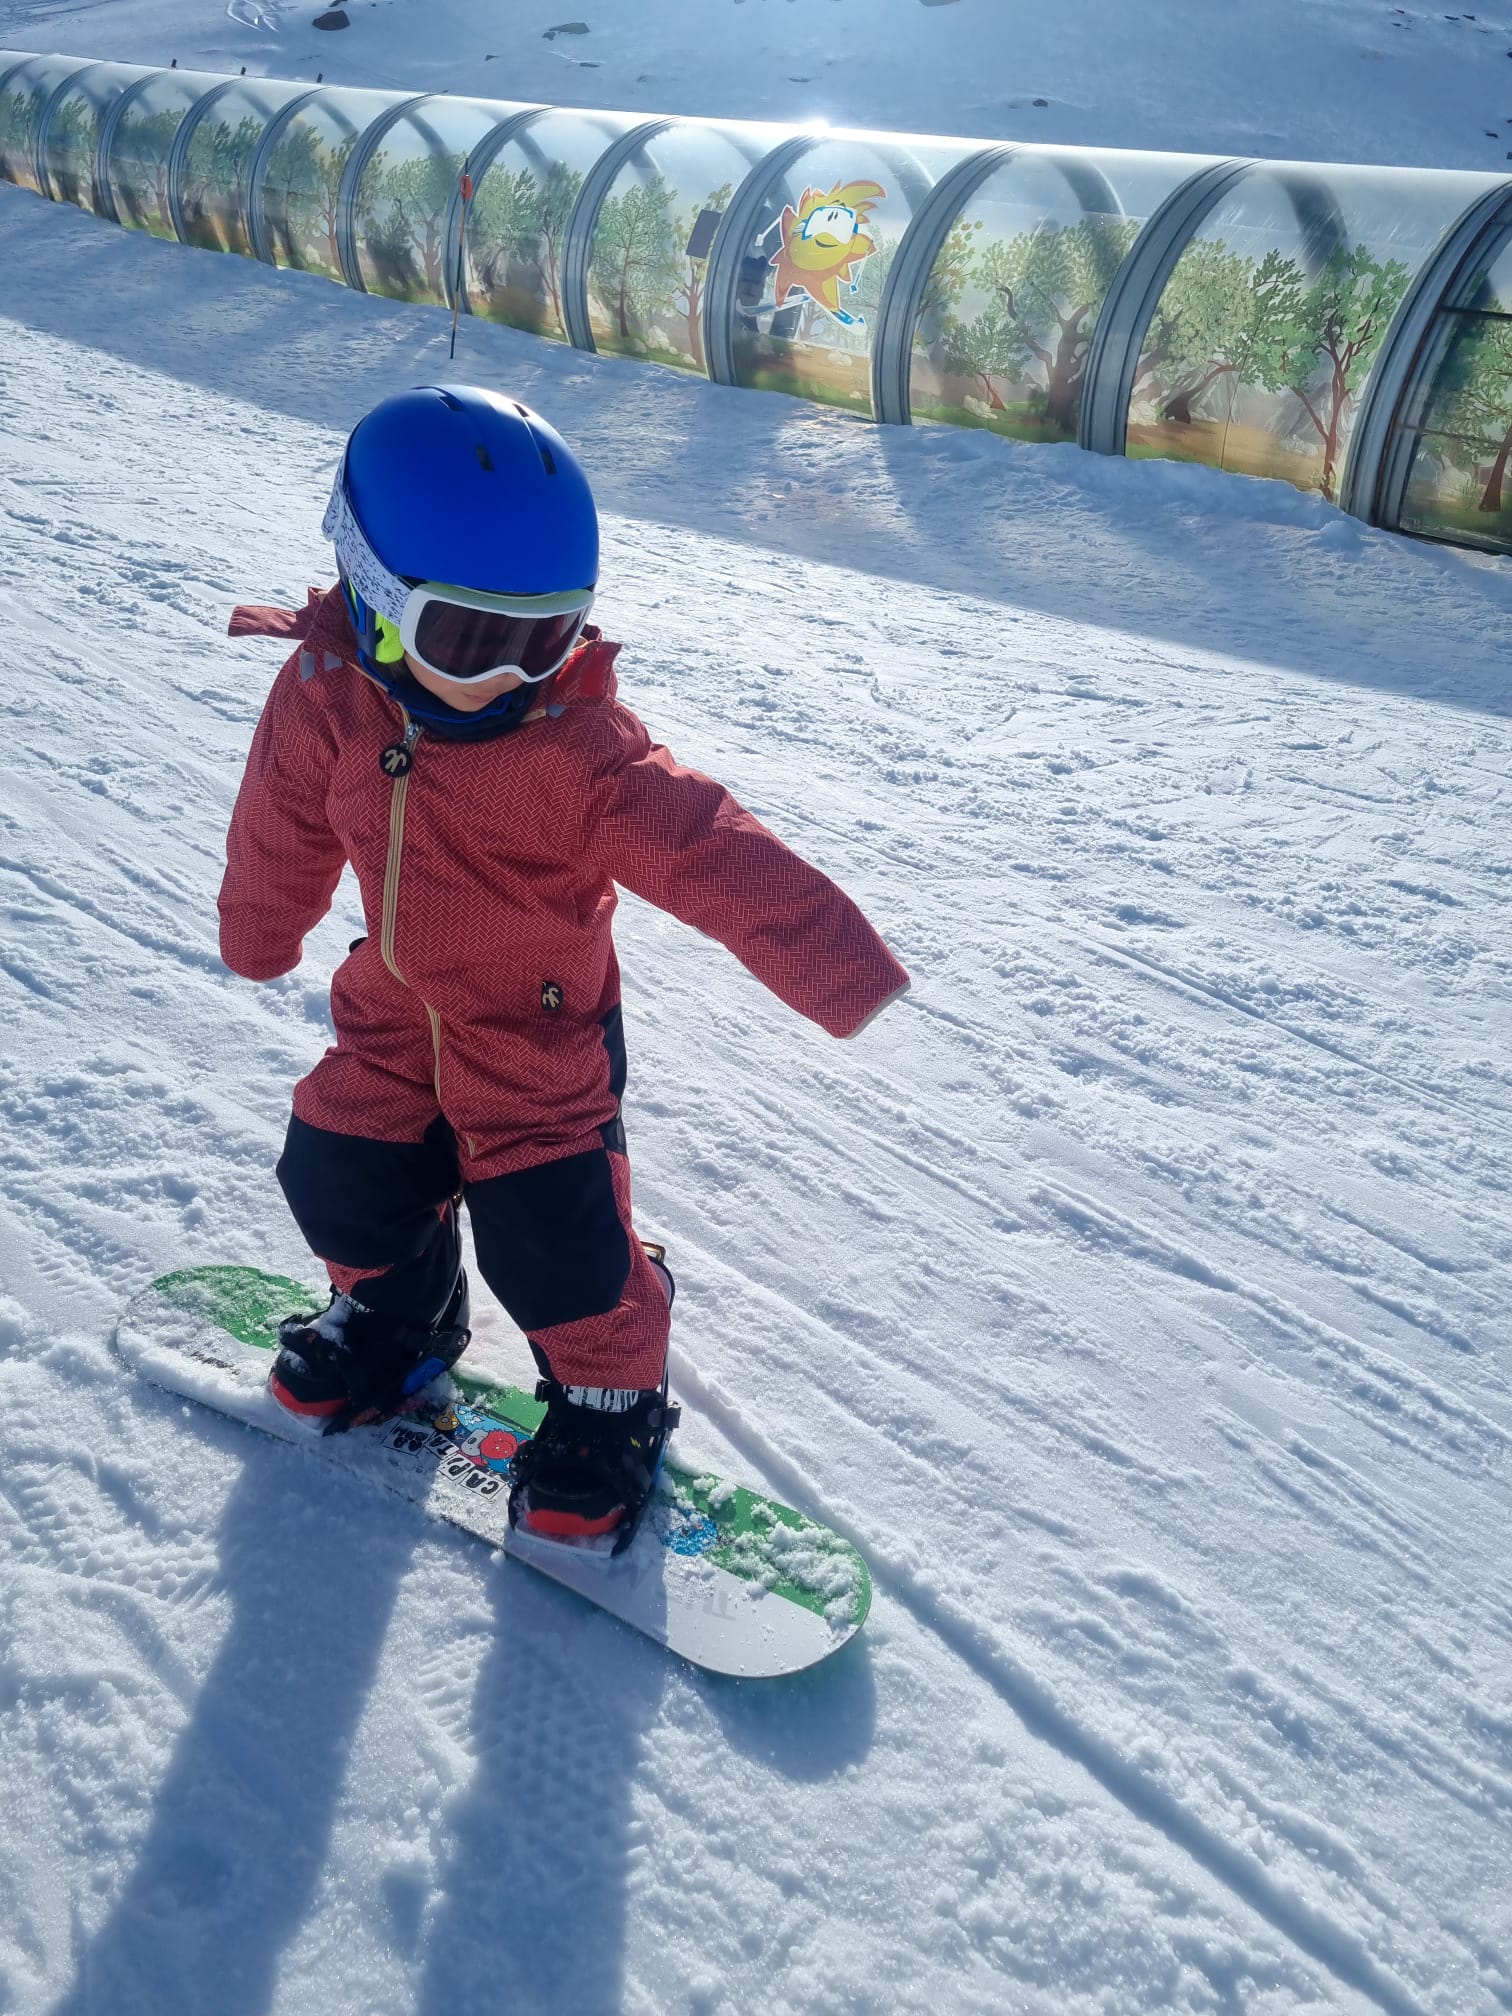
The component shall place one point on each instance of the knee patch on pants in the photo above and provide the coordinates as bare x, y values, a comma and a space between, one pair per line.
364, 1203
550, 1240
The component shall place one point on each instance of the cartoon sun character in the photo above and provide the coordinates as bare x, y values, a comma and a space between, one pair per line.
824, 242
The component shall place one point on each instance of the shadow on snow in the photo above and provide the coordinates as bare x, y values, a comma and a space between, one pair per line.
531, 1887
1167, 550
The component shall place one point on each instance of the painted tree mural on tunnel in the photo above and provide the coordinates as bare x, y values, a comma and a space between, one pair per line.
404, 205
139, 155
72, 135
1221, 319
17, 118
1005, 328
1461, 480
648, 269
1254, 360
516, 242
500, 232
1257, 364
560, 189
301, 198
1478, 389
21, 108
697, 230
635, 261
217, 172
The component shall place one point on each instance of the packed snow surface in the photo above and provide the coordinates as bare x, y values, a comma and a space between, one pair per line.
1134, 1293
1324, 80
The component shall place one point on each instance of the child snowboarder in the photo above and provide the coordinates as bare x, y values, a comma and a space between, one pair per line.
462, 747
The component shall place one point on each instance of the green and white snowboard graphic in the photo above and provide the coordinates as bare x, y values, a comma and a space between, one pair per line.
730, 1580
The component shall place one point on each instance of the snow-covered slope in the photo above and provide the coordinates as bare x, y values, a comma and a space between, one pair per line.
1135, 1293
1342, 80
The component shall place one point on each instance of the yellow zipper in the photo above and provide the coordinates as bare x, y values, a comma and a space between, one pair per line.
412, 734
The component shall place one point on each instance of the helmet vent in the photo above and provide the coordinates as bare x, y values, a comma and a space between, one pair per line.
485, 460
447, 398
547, 458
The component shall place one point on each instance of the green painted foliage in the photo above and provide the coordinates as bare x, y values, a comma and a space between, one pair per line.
948, 279
503, 223
637, 259
302, 190
139, 168
218, 164
1222, 319
402, 223
519, 219
20, 109
1043, 291
1334, 339
1471, 409
71, 139
1228, 322
642, 275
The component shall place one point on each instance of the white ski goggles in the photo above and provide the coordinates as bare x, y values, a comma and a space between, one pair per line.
460, 634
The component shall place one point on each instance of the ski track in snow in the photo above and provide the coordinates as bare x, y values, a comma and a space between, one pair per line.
1134, 1293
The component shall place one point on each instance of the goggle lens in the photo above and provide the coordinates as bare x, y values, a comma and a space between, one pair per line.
470, 643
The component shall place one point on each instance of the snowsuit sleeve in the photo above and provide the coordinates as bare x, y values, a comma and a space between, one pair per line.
282, 859
681, 841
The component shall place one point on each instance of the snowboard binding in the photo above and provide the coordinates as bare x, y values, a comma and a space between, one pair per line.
590, 1469
347, 1367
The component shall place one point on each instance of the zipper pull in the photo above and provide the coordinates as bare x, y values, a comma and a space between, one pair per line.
397, 759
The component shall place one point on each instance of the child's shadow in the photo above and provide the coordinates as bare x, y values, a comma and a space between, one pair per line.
532, 1904
532, 1890
532, 1887
538, 1873
233, 1854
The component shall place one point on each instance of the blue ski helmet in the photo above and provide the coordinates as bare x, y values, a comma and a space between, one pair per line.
463, 487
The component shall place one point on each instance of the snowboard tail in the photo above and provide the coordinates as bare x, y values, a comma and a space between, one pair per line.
727, 1578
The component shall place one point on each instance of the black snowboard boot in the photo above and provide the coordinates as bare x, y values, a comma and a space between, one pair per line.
357, 1361
590, 1468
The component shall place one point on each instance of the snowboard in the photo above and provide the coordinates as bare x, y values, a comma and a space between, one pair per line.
724, 1577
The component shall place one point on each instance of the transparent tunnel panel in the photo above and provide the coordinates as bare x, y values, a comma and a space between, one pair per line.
300, 191
24, 96
216, 183
73, 131
814, 266
137, 168
405, 197
648, 264
1459, 484
1261, 344
517, 221
1011, 303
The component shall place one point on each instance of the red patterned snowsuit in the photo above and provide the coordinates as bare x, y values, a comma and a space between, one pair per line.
486, 993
